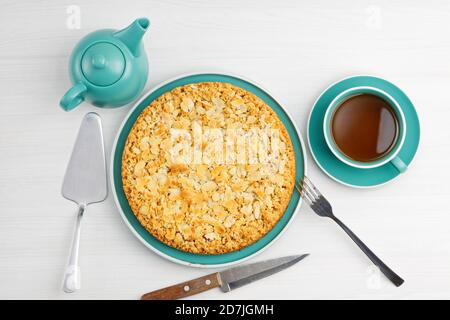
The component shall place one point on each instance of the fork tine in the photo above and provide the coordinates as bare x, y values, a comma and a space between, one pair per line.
304, 192
299, 189
312, 187
309, 190
311, 194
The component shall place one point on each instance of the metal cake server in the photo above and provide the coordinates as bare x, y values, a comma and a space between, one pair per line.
227, 280
84, 183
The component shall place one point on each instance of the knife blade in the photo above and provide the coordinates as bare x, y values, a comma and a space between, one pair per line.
227, 280
84, 183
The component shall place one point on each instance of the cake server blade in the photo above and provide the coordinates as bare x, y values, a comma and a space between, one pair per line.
85, 178
84, 183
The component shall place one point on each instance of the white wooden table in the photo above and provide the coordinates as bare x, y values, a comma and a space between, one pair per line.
293, 48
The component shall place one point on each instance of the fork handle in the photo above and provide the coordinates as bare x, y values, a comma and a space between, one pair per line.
391, 275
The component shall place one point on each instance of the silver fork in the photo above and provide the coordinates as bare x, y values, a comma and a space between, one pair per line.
320, 205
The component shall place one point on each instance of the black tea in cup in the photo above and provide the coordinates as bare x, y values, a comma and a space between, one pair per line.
365, 127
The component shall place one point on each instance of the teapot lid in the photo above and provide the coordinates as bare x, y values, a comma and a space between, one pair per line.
103, 63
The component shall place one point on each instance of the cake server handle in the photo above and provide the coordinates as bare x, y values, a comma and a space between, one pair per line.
71, 280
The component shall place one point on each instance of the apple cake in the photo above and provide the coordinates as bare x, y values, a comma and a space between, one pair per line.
208, 168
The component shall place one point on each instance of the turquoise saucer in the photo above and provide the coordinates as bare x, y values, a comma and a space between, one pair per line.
351, 176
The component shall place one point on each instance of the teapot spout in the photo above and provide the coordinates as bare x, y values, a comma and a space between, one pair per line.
132, 35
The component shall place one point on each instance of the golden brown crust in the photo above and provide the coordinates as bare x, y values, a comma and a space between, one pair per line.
198, 197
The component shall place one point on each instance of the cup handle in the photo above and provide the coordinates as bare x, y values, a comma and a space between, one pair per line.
73, 97
399, 164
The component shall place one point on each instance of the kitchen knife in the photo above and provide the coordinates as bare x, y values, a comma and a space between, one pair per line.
227, 280
84, 183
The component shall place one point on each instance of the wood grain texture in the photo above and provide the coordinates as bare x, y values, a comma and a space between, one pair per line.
184, 289
293, 48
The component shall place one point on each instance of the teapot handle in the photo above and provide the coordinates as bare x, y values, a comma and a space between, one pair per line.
73, 97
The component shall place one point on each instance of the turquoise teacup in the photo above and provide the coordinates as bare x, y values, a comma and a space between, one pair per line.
392, 156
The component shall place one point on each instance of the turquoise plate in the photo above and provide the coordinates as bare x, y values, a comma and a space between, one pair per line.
351, 176
177, 255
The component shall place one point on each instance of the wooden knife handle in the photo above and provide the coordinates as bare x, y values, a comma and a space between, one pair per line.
184, 289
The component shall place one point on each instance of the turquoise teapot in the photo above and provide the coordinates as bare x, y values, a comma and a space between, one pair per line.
108, 68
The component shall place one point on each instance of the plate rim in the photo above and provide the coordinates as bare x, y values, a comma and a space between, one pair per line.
309, 141
116, 200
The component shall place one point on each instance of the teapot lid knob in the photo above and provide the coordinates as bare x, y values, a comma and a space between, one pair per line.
103, 64
98, 61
